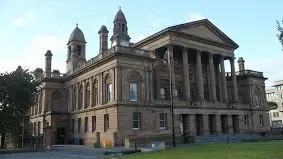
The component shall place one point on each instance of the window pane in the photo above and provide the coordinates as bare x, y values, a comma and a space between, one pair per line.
136, 120
133, 91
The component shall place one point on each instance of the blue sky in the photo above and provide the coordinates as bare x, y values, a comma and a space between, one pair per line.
30, 27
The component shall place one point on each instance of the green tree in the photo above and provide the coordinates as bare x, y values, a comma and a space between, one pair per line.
280, 30
17, 92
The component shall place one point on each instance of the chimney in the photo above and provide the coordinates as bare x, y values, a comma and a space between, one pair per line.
103, 38
56, 73
241, 64
48, 60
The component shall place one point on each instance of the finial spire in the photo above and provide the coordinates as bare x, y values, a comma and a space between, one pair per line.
119, 7
77, 24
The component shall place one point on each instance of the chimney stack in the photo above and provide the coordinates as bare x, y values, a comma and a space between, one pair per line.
241, 64
103, 38
48, 60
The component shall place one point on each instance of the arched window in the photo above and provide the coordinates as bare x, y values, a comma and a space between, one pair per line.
108, 88
79, 50
123, 28
87, 95
74, 99
134, 84
257, 97
95, 93
80, 97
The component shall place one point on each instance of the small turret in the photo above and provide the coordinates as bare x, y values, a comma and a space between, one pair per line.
241, 63
103, 38
48, 60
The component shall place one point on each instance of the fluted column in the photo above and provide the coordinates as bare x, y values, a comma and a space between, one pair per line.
223, 79
91, 92
219, 77
70, 99
199, 76
171, 62
234, 80
212, 77
186, 74
77, 97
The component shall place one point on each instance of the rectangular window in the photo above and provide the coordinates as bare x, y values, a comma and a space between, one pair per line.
163, 93
93, 127
246, 120
136, 120
86, 124
38, 128
79, 125
163, 121
177, 93
109, 92
133, 91
106, 122
73, 125
261, 123
34, 128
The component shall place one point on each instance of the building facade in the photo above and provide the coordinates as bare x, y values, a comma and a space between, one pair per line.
124, 91
276, 95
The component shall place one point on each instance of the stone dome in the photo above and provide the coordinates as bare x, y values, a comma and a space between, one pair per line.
120, 16
77, 35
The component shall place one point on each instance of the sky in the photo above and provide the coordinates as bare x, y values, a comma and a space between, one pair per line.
28, 28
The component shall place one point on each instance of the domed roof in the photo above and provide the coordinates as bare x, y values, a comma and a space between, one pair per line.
103, 29
120, 16
241, 59
77, 35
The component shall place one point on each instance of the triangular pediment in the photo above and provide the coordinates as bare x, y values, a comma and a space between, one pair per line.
206, 30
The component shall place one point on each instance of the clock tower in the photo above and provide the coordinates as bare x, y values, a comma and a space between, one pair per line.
120, 30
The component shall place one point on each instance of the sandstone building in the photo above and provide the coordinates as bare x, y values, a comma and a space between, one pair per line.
276, 95
123, 92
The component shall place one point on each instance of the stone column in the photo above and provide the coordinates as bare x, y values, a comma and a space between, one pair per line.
192, 121
234, 80
219, 83
218, 124
199, 76
70, 99
230, 124
146, 71
212, 77
171, 62
186, 74
91, 92
151, 84
119, 83
77, 96
84, 94
223, 77
205, 124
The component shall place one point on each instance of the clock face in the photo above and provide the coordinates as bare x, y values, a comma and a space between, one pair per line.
114, 43
124, 43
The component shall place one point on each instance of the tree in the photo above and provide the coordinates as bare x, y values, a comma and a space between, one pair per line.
17, 92
280, 30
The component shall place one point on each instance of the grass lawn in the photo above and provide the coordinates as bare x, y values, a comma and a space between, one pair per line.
257, 150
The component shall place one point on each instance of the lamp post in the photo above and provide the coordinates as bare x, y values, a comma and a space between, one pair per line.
167, 58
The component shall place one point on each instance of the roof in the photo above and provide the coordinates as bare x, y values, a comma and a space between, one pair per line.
120, 16
177, 28
77, 35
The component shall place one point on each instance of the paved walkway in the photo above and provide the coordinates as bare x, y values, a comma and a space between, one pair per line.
64, 152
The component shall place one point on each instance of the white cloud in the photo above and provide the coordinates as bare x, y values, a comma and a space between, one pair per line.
19, 22
29, 16
194, 16
271, 67
34, 54
137, 37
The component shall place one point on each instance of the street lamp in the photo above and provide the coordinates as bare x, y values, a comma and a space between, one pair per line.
167, 58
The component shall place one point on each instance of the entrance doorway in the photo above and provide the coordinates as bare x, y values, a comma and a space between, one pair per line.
199, 124
212, 123
224, 124
235, 119
60, 136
